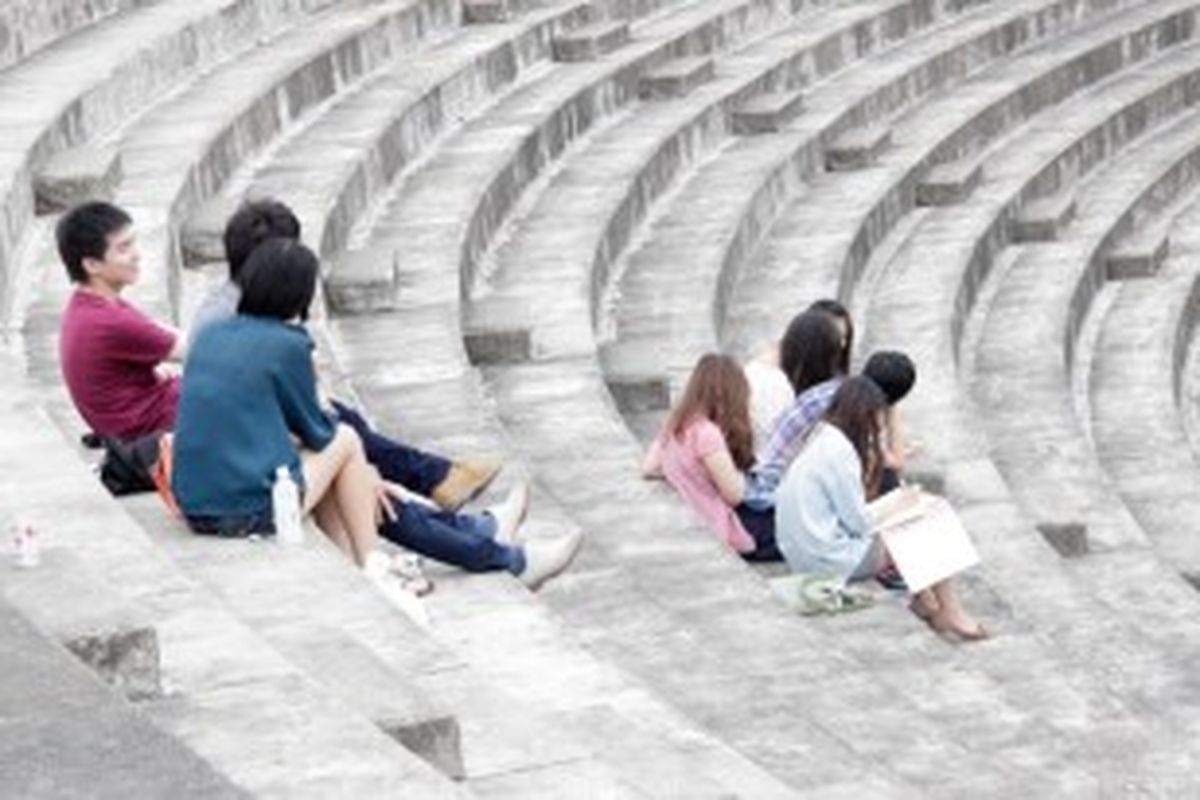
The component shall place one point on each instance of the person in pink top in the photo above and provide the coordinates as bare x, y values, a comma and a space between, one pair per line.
704, 451
111, 354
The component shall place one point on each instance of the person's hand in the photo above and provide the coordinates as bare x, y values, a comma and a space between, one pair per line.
384, 509
393, 491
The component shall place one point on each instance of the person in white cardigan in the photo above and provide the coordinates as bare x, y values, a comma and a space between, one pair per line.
821, 518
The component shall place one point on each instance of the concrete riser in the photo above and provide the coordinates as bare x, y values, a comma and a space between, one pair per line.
27, 26
577, 116
945, 70
127, 90
1127, 264
269, 115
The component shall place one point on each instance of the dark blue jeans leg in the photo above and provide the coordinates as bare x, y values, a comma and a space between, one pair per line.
461, 540
418, 470
760, 525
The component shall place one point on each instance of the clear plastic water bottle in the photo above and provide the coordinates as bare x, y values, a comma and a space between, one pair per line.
285, 507
27, 552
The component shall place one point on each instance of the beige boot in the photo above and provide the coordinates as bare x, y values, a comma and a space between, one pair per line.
464, 481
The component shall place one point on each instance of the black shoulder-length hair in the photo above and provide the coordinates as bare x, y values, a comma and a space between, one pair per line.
279, 280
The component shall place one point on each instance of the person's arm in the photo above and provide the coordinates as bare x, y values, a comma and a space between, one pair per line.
729, 480
844, 479
652, 463
895, 449
709, 445
135, 338
296, 386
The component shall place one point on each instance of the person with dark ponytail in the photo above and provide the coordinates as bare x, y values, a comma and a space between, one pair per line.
810, 356
822, 521
704, 451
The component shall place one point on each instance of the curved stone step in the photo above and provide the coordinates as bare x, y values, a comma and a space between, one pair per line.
1133, 396
450, 209
1028, 345
183, 151
934, 269
408, 369
828, 235
593, 207
64, 734
94, 82
658, 335
226, 690
27, 26
945, 256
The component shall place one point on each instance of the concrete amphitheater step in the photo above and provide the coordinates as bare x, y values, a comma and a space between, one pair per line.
229, 696
649, 563
359, 650
182, 151
826, 238
64, 734
461, 197
27, 26
594, 205
94, 82
1133, 396
755, 179
408, 369
931, 278
597, 598
366, 139
933, 268
1045, 296
433, 364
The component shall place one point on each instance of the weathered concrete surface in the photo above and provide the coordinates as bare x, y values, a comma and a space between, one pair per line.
1044, 219
116, 641
64, 734
767, 113
27, 26
75, 176
949, 183
590, 42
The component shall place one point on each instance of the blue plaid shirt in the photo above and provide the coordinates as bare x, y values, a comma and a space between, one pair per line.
787, 439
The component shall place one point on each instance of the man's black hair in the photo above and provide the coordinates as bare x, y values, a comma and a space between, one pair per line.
893, 372
279, 280
84, 231
251, 225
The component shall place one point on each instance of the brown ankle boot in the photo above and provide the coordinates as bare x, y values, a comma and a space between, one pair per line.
465, 480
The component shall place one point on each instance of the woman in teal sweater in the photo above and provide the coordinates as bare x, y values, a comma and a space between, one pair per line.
249, 405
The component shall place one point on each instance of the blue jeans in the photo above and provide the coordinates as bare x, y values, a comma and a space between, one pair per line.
466, 541
418, 470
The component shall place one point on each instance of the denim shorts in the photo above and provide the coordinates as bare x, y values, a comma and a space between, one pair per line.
234, 527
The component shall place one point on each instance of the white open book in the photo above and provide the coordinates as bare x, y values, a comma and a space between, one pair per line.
924, 536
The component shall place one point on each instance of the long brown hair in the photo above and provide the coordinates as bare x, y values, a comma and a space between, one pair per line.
719, 392
855, 412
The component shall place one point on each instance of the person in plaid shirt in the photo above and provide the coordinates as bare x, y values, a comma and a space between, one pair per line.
812, 357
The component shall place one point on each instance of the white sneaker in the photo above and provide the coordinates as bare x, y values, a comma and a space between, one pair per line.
392, 588
510, 514
548, 558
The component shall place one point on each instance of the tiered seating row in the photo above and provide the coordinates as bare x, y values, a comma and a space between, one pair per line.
658, 336
95, 82
63, 734
1044, 296
219, 676
27, 26
1134, 394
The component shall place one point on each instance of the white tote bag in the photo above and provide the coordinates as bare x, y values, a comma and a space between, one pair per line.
924, 535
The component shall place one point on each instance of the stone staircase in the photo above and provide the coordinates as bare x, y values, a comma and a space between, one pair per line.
534, 217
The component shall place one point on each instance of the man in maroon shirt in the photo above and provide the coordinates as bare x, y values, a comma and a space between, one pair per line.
111, 353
